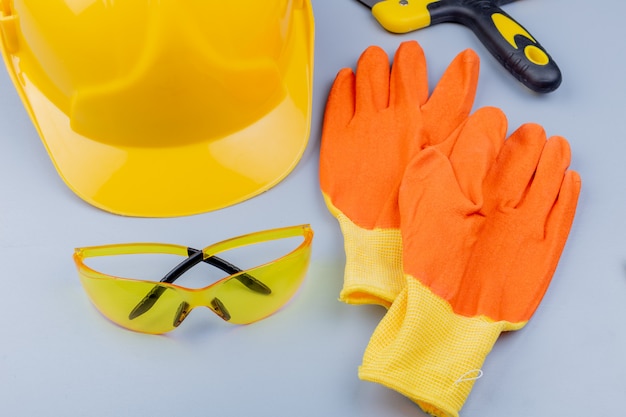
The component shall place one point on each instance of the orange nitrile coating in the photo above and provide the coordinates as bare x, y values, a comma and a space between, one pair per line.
492, 254
441, 198
376, 120
527, 225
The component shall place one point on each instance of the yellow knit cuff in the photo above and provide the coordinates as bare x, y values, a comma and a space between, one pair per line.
428, 353
373, 272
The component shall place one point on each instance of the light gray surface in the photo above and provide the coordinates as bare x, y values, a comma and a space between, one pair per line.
59, 357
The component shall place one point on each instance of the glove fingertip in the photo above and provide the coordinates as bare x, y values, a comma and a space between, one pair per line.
530, 134
514, 169
340, 105
409, 75
570, 191
372, 80
560, 147
453, 97
462, 73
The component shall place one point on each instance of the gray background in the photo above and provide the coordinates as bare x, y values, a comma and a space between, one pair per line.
59, 357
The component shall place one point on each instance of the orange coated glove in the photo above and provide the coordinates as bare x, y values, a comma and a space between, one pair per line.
375, 121
478, 258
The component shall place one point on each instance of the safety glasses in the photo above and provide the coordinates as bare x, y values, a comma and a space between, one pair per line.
242, 297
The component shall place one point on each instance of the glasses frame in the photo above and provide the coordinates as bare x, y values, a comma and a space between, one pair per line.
193, 257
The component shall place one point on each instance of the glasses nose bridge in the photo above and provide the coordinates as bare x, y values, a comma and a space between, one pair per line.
208, 297
201, 297
193, 298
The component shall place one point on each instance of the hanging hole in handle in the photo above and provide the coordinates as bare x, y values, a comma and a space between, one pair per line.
536, 55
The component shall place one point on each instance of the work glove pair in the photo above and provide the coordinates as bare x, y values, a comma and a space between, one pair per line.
455, 229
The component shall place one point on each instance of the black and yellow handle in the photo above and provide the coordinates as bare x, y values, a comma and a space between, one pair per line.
508, 41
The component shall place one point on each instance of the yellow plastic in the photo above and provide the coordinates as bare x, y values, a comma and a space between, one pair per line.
401, 17
425, 351
167, 108
373, 272
116, 297
509, 29
536, 55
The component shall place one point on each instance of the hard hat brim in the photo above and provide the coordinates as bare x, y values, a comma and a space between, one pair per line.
189, 179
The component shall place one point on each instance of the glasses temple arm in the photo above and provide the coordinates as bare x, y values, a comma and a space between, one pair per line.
195, 256
246, 279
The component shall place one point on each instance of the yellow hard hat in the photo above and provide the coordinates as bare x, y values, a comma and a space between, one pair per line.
164, 108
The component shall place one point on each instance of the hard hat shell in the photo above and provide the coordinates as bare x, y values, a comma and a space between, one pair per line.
164, 108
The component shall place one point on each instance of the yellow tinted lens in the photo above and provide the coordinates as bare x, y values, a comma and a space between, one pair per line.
117, 298
244, 304
244, 297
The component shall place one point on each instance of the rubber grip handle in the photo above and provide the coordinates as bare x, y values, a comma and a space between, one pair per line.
508, 41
